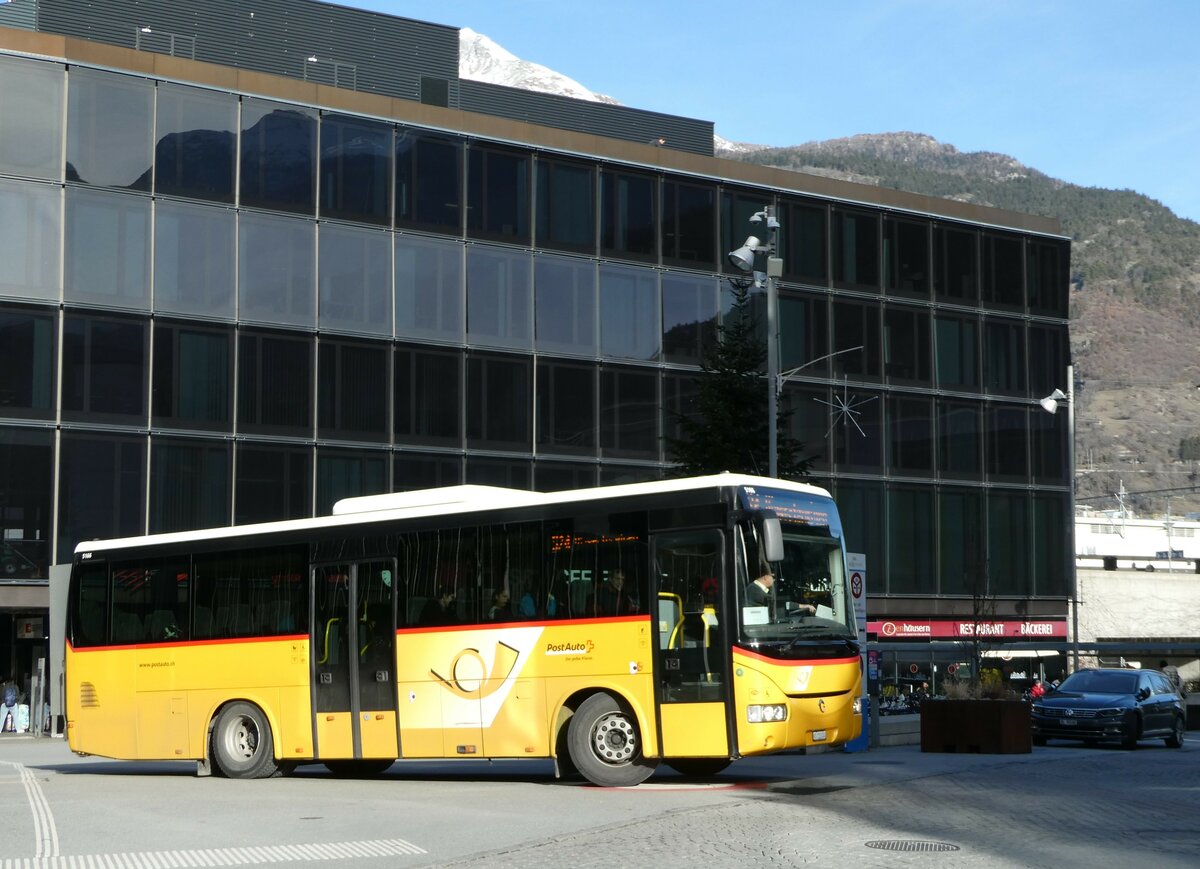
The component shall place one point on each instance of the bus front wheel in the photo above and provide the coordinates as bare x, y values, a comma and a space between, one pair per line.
605, 745
241, 743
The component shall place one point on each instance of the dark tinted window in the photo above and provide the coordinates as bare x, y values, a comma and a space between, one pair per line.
193, 377
910, 540
498, 195
628, 215
629, 413
906, 346
856, 340
104, 369
956, 265
960, 440
428, 182
956, 345
88, 615
273, 482
26, 495
150, 600
910, 440
960, 542
194, 140
348, 474
275, 373
102, 489
689, 317
804, 239
1004, 357
857, 435
566, 206
279, 157
355, 169
1003, 271
251, 593
499, 402
689, 228
27, 362
428, 397
565, 301
353, 388
1046, 271
855, 250
803, 333
906, 257
566, 408
189, 484
1008, 444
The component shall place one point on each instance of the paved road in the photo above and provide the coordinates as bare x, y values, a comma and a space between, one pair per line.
1062, 806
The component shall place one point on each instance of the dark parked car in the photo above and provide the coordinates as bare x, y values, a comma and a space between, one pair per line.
1111, 705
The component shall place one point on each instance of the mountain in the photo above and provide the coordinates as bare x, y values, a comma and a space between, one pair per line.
1135, 283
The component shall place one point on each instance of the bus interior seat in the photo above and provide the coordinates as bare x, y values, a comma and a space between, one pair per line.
162, 626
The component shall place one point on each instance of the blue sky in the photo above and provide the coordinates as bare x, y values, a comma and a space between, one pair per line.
1095, 92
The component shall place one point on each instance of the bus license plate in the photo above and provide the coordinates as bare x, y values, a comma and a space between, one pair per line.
818, 736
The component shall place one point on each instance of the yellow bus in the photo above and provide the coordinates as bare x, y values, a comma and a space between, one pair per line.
611, 629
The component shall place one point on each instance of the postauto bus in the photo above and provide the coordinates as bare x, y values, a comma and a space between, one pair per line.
475, 622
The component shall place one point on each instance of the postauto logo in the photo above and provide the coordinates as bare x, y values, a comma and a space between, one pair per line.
571, 647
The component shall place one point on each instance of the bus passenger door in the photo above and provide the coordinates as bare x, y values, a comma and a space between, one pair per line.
692, 656
354, 636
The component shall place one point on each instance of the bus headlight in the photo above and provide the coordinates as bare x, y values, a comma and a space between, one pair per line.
856, 705
759, 714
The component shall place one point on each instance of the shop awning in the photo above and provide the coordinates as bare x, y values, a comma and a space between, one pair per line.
1009, 654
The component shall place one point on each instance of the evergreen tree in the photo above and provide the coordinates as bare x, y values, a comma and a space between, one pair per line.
727, 428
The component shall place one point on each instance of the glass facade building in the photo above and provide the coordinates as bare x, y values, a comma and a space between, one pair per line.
226, 300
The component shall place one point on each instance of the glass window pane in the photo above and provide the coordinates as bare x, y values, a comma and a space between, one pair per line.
355, 170
353, 391
737, 209
628, 215
629, 413
273, 482
856, 341
104, 376
566, 202
102, 489
566, 408
1003, 271
1048, 278
803, 239
275, 375
906, 257
910, 440
428, 397
957, 349
561, 476
194, 249
28, 341
857, 436
412, 471
689, 228
507, 473
1004, 357
906, 346
277, 263
806, 410
189, 484
1052, 557
108, 129
354, 279
26, 497
861, 507
499, 402
629, 312
855, 250
195, 137
107, 249
428, 182
1009, 535
429, 289
960, 542
193, 371
498, 195
565, 306
499, 297
1049, 444
803, 334
960, 440
1008, 443
689, 317
31, 215
31, 123
347, 474
956, 265
1049, 356
279, 159
910, 541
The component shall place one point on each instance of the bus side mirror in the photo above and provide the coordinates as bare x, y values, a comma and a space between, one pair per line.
772, 538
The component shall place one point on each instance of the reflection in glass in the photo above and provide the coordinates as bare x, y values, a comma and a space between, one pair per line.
279, 159
910, 441
906, 345
195, 136
499, 297
429, 289
1047, 276
108, 129
193, 259
629, 313
1052, 556
355, 169
27, 469
354, 280
412, 471
565, 307
857, 436
29, 246
856, 326
277, 263
107, 249
689, 317
31, 123
960, 440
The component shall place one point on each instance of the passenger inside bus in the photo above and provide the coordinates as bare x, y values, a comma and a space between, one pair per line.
440, 610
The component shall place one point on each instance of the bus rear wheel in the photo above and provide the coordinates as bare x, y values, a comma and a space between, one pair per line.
698, 767
605, 744
241, 743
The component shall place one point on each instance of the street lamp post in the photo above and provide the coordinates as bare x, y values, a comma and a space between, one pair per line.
1050, 405
745, 259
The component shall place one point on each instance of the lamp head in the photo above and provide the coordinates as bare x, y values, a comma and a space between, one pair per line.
743, 257
1050, 402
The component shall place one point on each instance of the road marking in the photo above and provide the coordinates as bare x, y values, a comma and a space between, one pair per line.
45, 834
196, 857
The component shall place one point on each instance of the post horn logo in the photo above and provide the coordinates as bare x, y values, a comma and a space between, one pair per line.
469, 678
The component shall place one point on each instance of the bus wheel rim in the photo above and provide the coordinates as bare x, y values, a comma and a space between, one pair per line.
614, 740
243, 738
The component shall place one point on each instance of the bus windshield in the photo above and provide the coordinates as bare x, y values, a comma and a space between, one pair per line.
805, 596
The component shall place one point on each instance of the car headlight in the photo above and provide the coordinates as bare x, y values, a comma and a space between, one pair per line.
760, 713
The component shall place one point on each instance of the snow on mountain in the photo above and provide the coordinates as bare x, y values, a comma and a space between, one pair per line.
481, 59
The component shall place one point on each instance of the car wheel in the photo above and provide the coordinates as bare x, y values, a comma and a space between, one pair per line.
1175, 740
605, 745
241, 743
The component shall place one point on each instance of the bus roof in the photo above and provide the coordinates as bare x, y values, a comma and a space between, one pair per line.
446, 501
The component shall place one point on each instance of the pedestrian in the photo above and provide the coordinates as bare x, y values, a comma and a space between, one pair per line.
1037, 689
10, 695
1172, 674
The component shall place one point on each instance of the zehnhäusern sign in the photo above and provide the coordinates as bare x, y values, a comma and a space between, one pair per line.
952, 629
